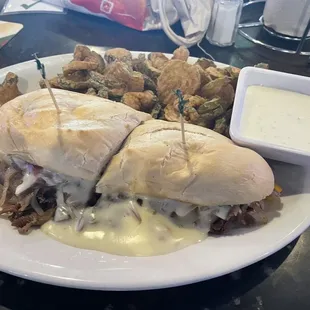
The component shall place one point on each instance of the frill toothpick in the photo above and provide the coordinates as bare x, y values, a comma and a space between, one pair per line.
181, 106
41, 68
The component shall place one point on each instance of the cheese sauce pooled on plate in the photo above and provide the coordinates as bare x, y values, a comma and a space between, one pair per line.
125, 228
277, 116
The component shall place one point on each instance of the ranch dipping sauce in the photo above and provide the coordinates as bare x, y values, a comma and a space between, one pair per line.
277, 117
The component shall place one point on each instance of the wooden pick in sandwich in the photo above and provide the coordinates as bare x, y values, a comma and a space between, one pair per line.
181, 106
41, 68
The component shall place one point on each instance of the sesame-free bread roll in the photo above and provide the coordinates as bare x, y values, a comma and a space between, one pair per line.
78, 142
210, 171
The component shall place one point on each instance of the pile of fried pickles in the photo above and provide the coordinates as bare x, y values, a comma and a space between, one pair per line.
147, 83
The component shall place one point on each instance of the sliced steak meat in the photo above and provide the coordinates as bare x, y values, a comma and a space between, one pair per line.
238, 216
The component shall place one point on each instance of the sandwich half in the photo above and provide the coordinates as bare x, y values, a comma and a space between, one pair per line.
62, 152
202, 184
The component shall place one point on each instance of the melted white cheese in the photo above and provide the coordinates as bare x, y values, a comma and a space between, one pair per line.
125, 228
277, 116
77, 190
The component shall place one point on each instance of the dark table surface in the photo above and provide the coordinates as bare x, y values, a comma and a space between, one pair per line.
281, 281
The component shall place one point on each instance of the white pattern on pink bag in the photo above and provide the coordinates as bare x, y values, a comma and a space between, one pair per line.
106, 6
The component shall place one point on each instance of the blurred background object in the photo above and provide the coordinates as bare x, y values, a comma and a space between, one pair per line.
224, 22
287, 22
12, 6
281, 26
142, 15
287, 17
8, 31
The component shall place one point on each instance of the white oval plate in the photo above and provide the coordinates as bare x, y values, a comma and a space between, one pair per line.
45, 260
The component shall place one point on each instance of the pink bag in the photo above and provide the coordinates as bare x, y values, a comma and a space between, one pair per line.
195, 15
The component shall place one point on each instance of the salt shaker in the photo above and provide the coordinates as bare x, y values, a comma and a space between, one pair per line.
224, 23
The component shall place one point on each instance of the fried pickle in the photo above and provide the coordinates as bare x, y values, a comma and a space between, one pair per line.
177, 74
181, 53
118, 54
9, 89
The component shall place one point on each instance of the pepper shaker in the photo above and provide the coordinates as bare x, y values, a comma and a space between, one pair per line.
224, 22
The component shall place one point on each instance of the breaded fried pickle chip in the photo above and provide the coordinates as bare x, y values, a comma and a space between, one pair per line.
177, 74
